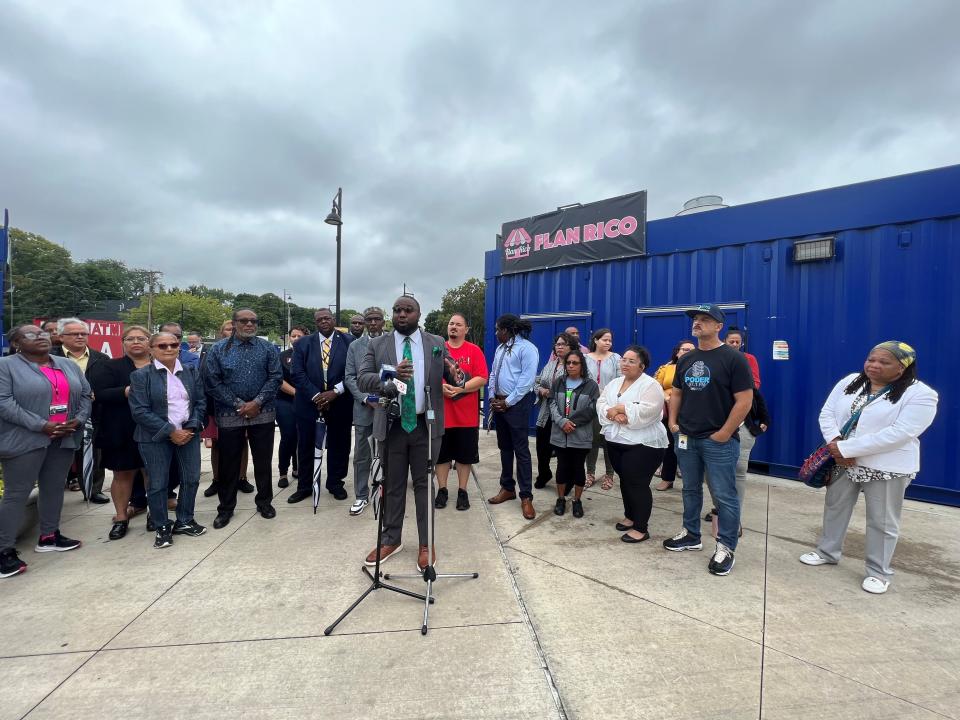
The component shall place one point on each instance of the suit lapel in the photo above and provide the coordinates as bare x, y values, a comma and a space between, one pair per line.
392, 348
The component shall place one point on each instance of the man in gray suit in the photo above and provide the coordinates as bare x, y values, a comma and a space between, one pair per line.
362, 410
422, 362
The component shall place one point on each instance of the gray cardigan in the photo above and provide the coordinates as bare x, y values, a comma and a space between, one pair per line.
581, 414
25, 398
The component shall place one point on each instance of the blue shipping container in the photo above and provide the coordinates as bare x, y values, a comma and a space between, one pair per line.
897, 242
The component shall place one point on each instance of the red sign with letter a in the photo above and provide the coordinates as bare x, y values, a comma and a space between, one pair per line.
106, 336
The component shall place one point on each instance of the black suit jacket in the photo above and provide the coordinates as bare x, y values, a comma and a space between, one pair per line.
108, 380
307, 372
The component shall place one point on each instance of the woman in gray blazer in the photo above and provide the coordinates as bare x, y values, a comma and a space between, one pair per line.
573, 406
44, 402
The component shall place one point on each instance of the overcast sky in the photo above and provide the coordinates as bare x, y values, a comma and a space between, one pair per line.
206, 139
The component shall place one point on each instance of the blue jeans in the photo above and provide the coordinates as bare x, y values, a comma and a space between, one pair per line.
719, 460
157, 457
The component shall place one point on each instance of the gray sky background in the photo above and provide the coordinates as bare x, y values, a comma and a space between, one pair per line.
206, 140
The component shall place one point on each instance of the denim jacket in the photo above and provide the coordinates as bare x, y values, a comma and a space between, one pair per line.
148, 402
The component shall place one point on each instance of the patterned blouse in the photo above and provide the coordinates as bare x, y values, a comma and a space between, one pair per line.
858, 473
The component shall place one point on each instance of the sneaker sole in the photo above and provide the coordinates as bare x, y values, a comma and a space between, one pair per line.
162, 546
18, 571
816, 563
383, 559
54, 549
698, 546
190, 533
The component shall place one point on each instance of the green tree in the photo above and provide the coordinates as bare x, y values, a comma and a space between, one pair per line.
345, 315
193, 313
40, 273
469, 299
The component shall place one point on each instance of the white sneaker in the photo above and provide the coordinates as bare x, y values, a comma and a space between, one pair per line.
875, 585
812, 558
359, 506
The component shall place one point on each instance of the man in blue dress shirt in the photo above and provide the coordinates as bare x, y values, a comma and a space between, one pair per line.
511, 391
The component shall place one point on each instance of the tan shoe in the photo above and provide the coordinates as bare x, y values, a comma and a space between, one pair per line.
422, 558
386, 552
502, 496
526, 505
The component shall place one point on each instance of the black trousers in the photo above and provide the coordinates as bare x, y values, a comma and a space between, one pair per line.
669, 471
571, 466
231, 441
406, 455
337, 457
544, 452
511, 427
635, 464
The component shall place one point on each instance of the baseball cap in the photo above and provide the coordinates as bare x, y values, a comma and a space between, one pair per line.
710, 309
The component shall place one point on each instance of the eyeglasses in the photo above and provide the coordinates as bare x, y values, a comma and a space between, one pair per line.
136, 339
629, 361
76, 334
246, 321
35, 336
373, 318
560, 344
167, 346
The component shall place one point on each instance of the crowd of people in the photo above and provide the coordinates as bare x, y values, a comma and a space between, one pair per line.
695, 418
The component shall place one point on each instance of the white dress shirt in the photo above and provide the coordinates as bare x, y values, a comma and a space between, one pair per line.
178, 401
416, 349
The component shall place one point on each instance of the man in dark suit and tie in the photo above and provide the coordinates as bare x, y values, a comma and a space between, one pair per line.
318, 370
422, 362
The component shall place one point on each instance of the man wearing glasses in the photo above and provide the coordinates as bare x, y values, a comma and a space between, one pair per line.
74, 335
242, 373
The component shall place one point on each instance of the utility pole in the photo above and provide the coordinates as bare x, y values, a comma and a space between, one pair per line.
151, 283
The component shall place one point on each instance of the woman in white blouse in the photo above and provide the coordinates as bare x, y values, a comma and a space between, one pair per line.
877, 452
630, 409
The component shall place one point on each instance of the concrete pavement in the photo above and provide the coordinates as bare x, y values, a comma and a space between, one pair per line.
564, 620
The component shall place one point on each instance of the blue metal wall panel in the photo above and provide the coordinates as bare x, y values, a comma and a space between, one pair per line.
887, 281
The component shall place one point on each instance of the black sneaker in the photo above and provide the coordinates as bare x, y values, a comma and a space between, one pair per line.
55, 542
244, 486
164, 536
561, 507
463, 500
722, 561
682, 541
441, 500
577, 509
192, 528
11, 564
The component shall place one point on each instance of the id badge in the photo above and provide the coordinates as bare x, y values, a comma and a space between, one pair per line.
58, 409
682, 441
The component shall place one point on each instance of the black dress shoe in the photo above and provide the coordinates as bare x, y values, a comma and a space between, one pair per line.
339, 493
441, 500
211, 491
623, 528
222, 520
119, 529
267, 512
283, 482
244, 486
150, 526
299, 495
99, 499
541, 482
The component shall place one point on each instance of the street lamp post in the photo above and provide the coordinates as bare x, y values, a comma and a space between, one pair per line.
286, 302
336, 218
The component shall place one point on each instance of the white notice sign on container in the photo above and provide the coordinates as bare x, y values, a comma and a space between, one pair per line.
781, 350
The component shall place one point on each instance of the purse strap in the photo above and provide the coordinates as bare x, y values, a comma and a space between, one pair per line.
851, 424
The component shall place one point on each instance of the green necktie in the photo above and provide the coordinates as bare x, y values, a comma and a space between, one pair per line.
408, 406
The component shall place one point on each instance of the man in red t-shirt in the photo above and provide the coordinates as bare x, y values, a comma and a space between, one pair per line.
461, 408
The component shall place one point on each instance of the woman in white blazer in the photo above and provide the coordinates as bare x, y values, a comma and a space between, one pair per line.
879, 453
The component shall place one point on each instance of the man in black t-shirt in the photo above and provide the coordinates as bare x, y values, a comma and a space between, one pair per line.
713, 391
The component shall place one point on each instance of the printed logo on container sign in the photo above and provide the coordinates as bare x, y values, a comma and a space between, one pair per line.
517, 244
697, 376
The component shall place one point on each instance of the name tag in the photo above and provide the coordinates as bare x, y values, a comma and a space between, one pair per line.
682, 441
58, 409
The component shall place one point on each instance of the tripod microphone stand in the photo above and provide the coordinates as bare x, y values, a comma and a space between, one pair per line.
393, 412
429, 574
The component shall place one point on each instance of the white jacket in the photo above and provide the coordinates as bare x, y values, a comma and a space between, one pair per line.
887, 435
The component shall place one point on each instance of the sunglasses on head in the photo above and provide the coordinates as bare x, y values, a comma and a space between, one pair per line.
167, 346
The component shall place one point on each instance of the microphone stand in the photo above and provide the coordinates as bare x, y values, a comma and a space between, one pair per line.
393, 412
429, 574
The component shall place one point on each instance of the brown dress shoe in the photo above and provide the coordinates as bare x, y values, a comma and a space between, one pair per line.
422, 558
502, 496
386, 552
526, 505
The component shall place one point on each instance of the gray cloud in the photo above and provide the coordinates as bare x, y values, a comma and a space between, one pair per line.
206, 140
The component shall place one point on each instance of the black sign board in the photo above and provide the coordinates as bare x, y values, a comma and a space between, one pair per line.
603, 230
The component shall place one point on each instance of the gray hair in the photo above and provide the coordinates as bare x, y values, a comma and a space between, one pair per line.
63, 322
374, 309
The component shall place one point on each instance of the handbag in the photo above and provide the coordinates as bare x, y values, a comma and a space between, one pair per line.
817, 469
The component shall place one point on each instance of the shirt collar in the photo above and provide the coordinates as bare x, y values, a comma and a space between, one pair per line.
176, 368
415, 337
84, 354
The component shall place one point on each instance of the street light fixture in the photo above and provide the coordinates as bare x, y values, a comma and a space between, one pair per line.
336, 218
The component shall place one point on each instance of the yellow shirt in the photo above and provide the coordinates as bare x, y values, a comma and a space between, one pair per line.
81, 361
664, 376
